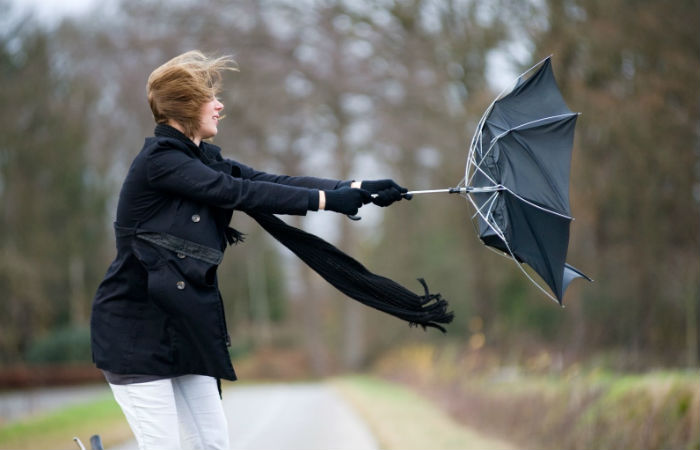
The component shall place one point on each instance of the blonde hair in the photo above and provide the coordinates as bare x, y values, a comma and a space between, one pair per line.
178, 89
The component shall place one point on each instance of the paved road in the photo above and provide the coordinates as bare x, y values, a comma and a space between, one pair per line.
309, 416
17, 405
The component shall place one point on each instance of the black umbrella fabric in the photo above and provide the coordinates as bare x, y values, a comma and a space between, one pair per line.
517, 177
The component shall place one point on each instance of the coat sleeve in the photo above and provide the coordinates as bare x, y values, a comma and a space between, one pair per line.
173, 171
308, 182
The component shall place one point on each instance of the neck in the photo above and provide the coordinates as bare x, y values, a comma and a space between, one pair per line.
196, 139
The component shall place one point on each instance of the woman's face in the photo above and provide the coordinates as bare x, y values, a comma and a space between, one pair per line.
209, 119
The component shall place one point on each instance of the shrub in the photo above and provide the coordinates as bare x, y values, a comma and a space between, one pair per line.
63, 345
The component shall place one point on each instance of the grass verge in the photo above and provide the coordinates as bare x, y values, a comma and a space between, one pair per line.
541, 406
57, 429
402, 419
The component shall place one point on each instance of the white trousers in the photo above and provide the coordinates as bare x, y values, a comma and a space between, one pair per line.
156, 410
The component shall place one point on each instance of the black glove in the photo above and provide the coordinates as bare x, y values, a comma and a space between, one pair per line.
374, 186
385, 192
386, 197
346, 200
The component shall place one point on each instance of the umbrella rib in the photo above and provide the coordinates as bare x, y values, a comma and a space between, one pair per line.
497, 138
535, 205
476, 138
477, 167
501, 236
520, 266
493, 143
490, 202
492, 225
532, 122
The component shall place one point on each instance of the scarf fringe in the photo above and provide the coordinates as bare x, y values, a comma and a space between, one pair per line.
233, 236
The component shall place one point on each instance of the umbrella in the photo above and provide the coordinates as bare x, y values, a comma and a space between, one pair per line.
517, 177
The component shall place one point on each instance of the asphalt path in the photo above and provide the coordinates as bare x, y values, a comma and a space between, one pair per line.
308, 416
16, 405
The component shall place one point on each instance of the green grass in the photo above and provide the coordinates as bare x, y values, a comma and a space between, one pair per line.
57, 429
402, 419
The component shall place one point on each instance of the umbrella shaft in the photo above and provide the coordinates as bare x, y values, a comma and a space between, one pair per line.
459, 190
454, 190
436, 191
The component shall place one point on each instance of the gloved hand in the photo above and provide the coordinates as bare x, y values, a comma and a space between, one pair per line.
387, 191
386, 197
374, 186
346, 200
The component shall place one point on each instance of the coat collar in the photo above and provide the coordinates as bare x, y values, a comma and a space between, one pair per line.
166, 131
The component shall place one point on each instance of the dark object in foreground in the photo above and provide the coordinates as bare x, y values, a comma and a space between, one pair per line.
95, 442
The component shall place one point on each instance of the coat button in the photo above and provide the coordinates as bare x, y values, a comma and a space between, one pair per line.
180, 285
181, 255
196, 218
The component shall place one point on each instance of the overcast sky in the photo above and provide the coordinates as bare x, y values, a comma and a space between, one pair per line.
500, 67
50, 11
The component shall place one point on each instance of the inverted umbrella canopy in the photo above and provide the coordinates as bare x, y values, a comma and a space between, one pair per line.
517, 177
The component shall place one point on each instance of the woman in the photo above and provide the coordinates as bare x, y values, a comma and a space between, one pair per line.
158, 324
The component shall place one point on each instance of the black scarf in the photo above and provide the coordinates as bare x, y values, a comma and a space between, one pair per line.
342, 271
354, 280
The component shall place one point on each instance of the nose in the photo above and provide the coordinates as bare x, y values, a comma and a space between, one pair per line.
218, 105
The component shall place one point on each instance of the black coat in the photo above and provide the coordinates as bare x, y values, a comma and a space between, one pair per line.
158, 310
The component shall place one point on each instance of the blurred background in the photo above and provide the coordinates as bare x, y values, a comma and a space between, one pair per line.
356, 89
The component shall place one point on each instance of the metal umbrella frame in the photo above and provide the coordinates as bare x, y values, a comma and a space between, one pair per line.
492, 189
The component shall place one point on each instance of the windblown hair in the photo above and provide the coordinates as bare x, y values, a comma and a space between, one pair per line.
178, 89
